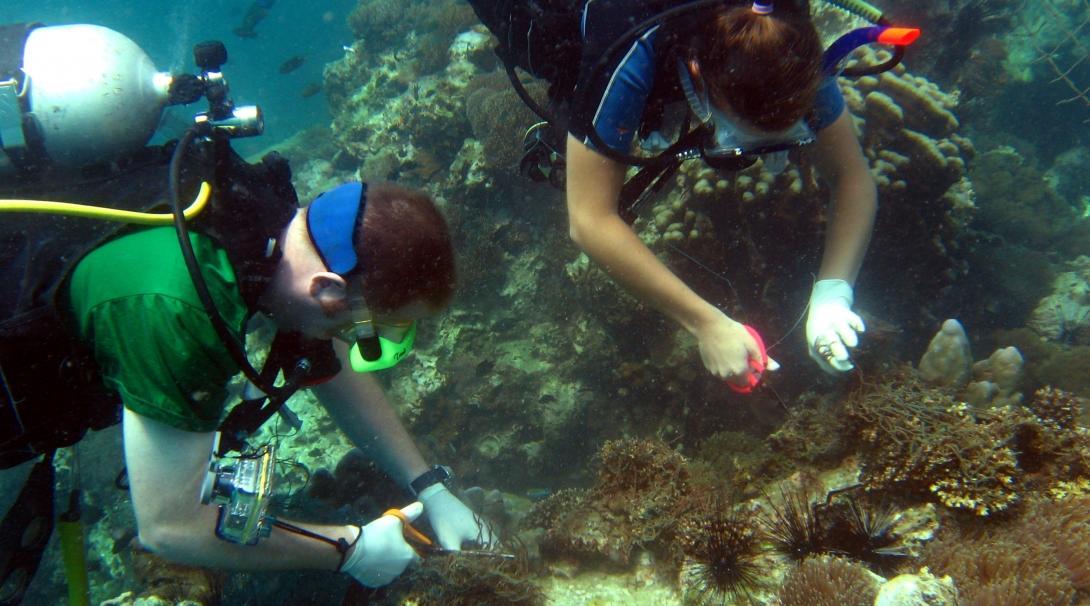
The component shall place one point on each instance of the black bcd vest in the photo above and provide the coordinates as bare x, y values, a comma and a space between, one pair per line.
51, 390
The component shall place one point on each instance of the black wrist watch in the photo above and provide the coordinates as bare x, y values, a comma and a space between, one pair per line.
438, 474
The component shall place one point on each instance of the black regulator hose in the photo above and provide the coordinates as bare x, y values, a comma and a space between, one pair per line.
230, 340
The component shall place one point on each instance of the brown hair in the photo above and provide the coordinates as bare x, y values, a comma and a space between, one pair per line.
767, 68
405, 250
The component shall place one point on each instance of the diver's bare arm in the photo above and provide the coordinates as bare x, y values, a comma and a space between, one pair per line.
359, 406
593, 186
841, 163
166, 467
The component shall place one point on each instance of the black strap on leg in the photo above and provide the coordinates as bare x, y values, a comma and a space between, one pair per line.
25, 531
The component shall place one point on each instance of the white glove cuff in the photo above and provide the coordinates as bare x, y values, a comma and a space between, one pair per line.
348, 563
430, 492
832, 291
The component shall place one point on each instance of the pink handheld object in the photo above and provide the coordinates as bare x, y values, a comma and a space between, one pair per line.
757, 367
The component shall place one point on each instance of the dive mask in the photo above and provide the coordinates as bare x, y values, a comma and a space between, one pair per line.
728, 137
331, 222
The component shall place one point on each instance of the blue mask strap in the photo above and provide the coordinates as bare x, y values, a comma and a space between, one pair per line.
331, 222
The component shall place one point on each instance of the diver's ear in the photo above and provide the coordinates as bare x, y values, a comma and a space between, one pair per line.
329, 289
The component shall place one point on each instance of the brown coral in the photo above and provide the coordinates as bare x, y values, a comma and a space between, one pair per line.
1001, 569
641, 488
1048, 440
828, 581
1056, 406
919, 440
454, 581
1064, 526
498, 119
175, 582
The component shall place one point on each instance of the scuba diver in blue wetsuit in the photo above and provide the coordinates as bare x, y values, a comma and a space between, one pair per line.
103, 322
756, 84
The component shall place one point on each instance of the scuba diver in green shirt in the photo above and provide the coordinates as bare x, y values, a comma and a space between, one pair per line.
154, 317
156, 348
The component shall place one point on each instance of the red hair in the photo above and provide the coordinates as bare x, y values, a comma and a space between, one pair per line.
404, 249
767, 68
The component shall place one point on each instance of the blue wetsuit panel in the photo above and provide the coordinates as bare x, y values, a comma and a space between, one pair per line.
620, 109
828, 105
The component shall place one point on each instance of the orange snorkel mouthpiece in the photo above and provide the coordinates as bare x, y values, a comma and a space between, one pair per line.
899, 36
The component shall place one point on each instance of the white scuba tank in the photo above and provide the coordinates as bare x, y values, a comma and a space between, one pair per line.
93, 92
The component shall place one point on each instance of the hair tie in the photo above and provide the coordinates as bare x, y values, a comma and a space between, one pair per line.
762, 8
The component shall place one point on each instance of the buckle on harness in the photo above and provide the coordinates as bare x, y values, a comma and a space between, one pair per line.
542, 159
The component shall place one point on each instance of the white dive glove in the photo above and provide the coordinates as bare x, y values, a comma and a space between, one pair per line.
381, 552
832, 326
452, 521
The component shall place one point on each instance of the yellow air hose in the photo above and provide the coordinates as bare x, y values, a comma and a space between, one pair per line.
105, 213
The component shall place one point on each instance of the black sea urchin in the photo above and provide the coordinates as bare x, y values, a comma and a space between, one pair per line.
865, 533
722, 548
795, 526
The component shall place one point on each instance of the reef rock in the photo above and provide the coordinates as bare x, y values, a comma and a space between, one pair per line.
922, 589
948, 360
1064, 316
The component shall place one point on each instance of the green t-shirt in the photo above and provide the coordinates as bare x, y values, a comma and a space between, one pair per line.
134, 303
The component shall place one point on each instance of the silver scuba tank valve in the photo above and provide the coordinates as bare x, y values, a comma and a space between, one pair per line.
243, 121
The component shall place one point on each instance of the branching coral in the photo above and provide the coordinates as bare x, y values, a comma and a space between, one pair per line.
828, 581
1057, 407
1047, 437
919, 440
